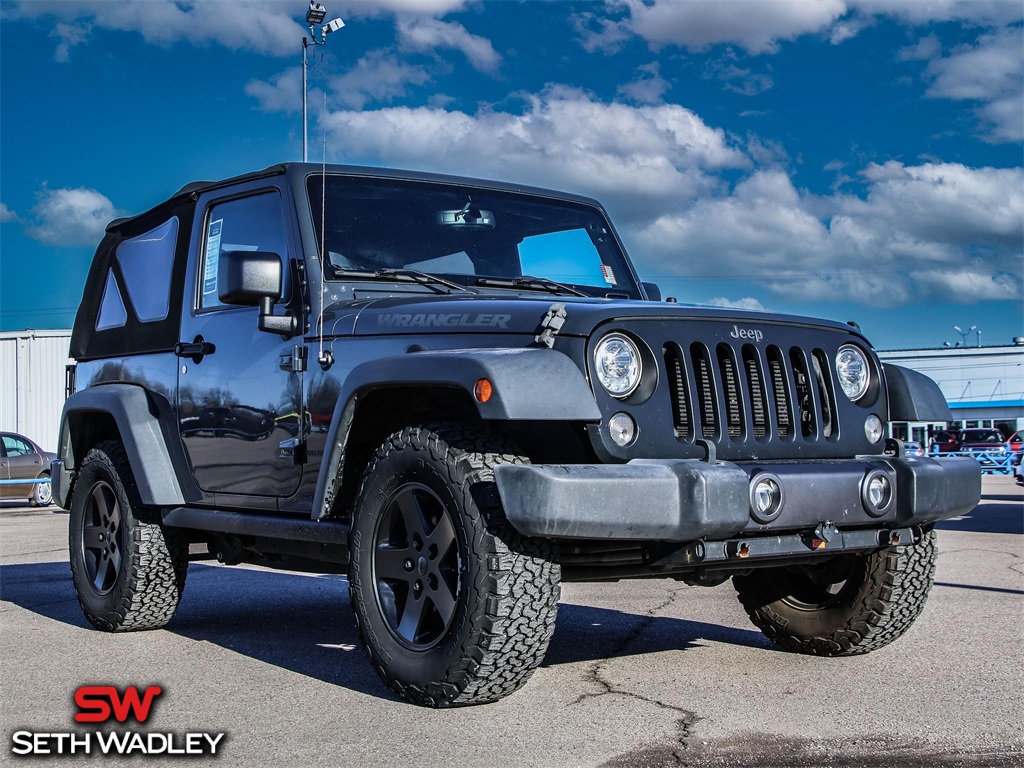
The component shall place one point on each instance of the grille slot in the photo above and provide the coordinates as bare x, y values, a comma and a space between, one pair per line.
780, 389
755, 386
705, 395
804, 401
731, 386
677, 385
825, 396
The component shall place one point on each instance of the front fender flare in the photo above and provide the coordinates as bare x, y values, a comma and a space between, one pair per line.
527, 385
137, 415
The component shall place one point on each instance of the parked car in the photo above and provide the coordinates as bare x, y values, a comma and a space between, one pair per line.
20, 458
1015, 443
988, 444
912, 448
947, 442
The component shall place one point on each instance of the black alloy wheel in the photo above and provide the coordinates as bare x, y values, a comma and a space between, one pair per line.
416, 567
102, 538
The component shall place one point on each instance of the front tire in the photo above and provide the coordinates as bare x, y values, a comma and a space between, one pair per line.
850, 605
42, 493
128, 570
454, 606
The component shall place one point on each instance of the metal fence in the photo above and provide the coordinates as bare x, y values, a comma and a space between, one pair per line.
991, 463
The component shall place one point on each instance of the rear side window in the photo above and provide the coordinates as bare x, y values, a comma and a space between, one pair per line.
145, 263
146, 266
16, 447
248, 224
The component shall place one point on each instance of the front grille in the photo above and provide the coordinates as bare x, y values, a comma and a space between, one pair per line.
731, 393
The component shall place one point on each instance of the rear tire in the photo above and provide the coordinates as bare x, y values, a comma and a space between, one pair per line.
850, 605
454, 606
128, 570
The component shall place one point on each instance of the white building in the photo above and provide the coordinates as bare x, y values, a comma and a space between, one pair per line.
32, 379
984, 386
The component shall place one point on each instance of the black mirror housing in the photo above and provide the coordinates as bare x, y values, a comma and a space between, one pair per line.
651, 289
246, 278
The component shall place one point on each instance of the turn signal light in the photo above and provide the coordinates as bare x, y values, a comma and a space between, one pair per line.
483, 390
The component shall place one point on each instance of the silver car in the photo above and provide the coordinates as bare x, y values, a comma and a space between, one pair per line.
20, 458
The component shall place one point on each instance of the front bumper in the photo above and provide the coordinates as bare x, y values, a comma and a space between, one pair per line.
684, 500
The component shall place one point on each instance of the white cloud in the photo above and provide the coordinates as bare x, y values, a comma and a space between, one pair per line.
926, 48
744, 303
282, 94
71, 217
428, 35
262, 26
735, 78
755, 25
978, 12
378, 76
760, 26
69, 36
7, 215
991, 72
648, 88
634, 157
363, 8
932, 230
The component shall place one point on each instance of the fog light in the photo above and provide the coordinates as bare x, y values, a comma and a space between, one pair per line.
876, 493
766, 497
622, 428
873, 428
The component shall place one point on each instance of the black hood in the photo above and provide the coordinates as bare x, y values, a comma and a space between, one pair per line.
523, 315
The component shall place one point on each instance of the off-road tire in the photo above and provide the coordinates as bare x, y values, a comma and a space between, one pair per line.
508, 591
150, 577
885, 594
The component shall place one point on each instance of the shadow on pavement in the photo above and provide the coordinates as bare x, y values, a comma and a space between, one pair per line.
304, 623
995, 514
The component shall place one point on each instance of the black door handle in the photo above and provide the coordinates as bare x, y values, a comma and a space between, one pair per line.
196, 349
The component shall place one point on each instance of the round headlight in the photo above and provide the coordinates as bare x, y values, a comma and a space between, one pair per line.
617, 365
853, 371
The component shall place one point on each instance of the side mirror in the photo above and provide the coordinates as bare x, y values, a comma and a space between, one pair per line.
651, 289
251, 279
246, 278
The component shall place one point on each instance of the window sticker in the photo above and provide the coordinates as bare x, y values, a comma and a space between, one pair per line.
212, 257
609, 275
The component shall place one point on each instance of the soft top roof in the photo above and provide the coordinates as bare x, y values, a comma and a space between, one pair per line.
299, 171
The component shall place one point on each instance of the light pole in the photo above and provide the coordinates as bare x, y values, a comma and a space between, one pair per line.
963, 335
315, 15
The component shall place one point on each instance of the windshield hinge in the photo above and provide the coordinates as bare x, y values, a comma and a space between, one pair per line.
294, 361
551, 325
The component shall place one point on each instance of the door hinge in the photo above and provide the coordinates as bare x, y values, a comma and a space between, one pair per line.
294, 361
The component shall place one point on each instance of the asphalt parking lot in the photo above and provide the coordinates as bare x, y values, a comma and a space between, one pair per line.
641, 673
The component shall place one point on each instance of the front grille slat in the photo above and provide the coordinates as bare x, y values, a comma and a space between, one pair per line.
755, 386
731, 386
780, 391
705, 399
681, 417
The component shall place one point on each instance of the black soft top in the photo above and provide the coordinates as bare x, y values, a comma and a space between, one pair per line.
298, 172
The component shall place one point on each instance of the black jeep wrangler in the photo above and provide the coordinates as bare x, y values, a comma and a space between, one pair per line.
459, 393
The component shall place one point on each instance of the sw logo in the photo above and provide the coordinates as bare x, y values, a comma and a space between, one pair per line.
103, 704
97, 703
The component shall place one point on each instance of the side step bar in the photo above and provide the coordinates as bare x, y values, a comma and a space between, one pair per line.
256, 524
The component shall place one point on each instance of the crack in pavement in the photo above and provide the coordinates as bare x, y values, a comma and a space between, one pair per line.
685, 720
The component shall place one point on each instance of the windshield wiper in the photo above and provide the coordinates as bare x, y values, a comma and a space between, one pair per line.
529, 282
408, 275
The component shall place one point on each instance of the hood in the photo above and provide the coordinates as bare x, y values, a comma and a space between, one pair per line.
523, 315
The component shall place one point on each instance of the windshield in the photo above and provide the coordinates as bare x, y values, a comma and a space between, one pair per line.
981, 436
468, 235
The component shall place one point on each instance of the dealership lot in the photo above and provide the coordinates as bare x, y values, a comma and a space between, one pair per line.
644, 673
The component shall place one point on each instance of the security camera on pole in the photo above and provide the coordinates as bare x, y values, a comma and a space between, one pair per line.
315, 15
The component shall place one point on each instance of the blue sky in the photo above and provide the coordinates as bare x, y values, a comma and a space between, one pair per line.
851, 159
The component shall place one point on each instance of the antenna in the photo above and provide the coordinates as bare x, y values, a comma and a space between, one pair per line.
326, 358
